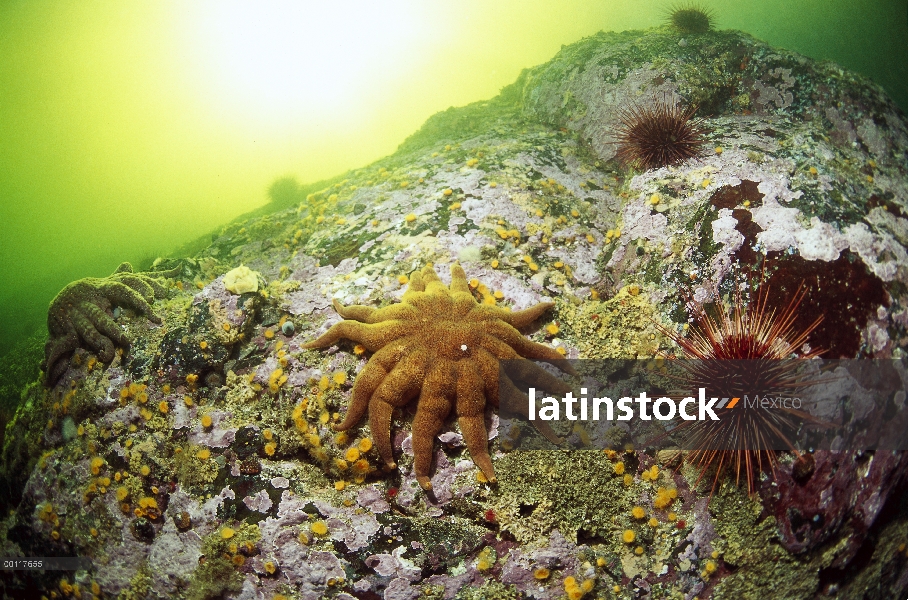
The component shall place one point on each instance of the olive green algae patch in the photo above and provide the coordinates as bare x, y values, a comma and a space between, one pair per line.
623, 326
575, 492
748, 543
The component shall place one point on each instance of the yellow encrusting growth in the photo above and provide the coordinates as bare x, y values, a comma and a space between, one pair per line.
227, 533
664, 497
637, 512
628, 536
576, 590
485, 559
319, 528
651, 474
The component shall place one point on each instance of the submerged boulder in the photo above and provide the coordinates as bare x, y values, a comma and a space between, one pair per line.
204, 463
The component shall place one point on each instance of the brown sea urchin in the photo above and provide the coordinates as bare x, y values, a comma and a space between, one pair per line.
753, 349
656, 135
690, 18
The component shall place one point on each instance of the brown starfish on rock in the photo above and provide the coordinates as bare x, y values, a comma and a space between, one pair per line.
79, 315
440, 344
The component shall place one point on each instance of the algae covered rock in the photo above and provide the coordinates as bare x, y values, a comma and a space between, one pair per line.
205, 463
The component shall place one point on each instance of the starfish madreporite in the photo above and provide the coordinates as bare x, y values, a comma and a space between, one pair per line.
78, 314
440, 344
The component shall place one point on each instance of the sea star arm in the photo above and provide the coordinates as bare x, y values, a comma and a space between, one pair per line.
529, 374
520, 344
434, 405
82, 319
372, 336
366, 383
459, 280
104, 325
416, 285
64, 340
487, 366
368, 314
470, 409
517, 319
432, 282
141, 285
122, 295
522, 318
527, 348
401, 385
516, 402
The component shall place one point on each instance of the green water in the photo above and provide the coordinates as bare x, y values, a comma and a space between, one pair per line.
128, 130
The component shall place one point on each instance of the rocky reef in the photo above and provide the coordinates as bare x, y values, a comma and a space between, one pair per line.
202, 463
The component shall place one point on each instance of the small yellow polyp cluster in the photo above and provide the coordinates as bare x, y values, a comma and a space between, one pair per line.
651, 474
298, 418
508, 233
576, 590
664, 497
276, 380
134, 390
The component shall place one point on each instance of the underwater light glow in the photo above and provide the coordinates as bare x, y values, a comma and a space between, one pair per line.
280, 57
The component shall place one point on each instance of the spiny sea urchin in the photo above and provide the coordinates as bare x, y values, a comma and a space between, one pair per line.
747, 351
690, 18
658, 134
